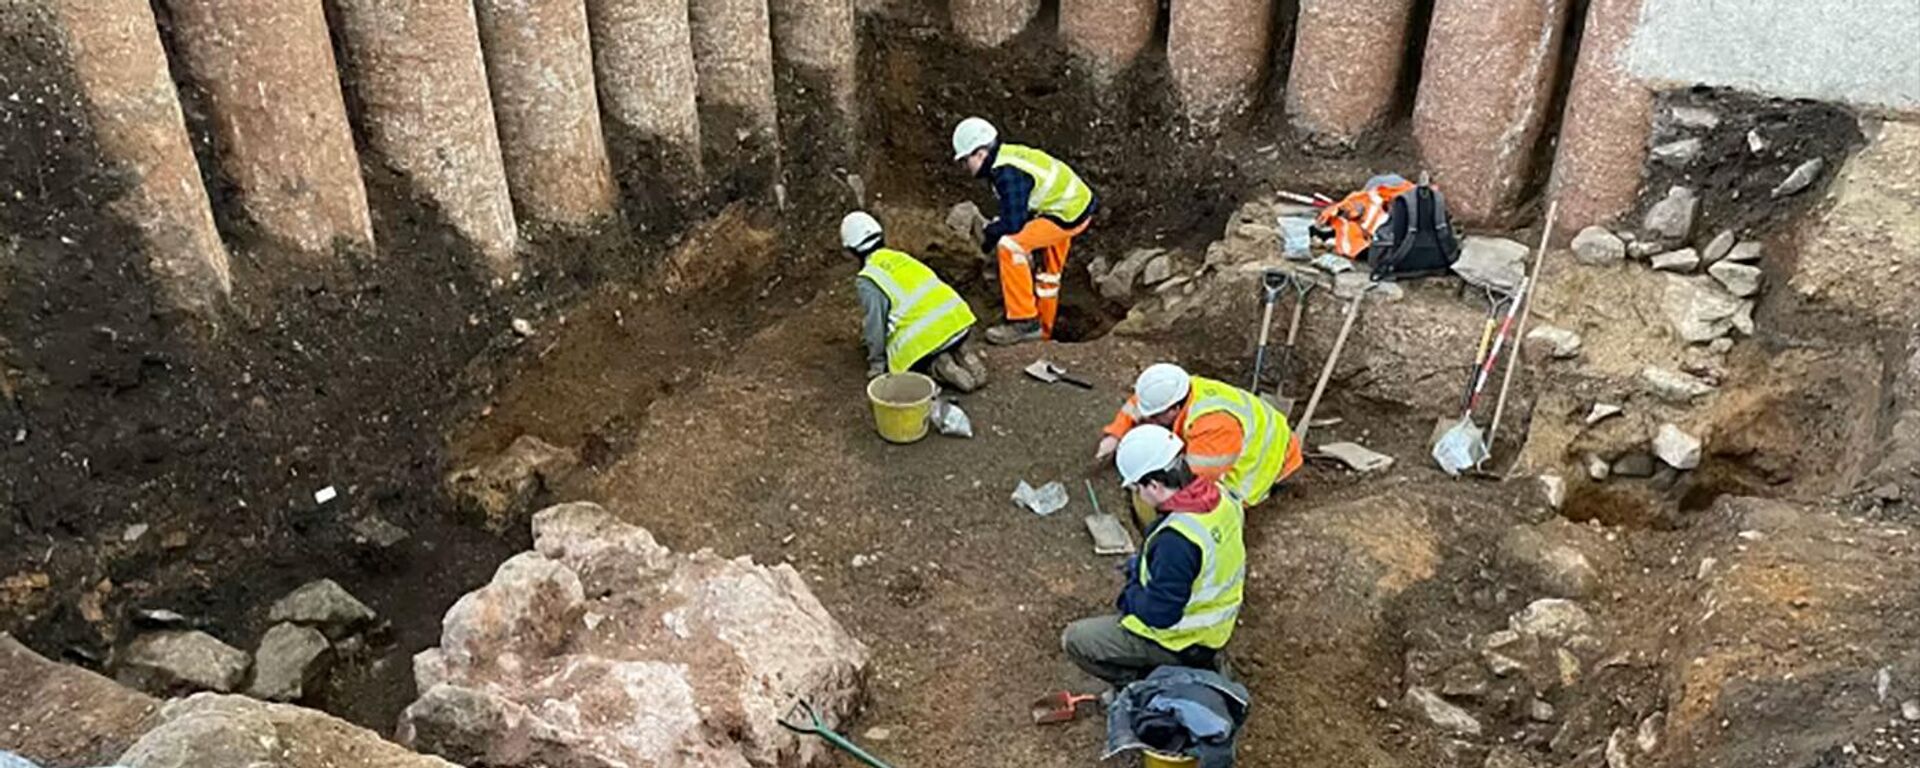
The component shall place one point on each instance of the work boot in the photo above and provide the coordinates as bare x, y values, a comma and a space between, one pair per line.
975, 364
947, 368
1016, 332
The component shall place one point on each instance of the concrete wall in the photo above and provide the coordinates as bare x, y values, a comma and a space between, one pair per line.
1856, 51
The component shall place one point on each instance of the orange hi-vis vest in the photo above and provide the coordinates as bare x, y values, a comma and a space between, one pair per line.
1355, 219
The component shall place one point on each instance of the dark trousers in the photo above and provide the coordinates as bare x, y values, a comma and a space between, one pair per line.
1102, 648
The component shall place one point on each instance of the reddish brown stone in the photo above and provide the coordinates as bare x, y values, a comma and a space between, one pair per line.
422, 86
990, 23
541, 68
278, 120
1218, 51
1603, 138
1483, 100
135, 115
643, 59
1346, 66
1107, 34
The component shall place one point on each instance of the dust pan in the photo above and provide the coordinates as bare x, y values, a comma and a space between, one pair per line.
1462, 447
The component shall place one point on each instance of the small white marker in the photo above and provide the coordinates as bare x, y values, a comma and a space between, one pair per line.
324, 495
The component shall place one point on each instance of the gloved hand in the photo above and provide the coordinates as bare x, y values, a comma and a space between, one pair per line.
1108, 445
988, 239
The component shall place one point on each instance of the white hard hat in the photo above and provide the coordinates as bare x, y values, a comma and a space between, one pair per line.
971, 134
1145, 450
859, 230
1161, 386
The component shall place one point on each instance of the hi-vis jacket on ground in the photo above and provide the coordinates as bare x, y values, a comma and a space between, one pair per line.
1355, 218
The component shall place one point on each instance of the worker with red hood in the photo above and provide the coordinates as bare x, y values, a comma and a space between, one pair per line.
1182, 597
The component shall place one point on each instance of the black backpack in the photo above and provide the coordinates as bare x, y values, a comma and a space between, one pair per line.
1417, 239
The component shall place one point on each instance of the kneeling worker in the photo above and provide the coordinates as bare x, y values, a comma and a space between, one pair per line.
913, 321
1231, 436
1043, 206
1182, 597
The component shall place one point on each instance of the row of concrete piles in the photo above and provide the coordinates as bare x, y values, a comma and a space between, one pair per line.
496, 114
1484, 99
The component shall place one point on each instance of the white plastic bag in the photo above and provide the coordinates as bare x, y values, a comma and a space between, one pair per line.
949, 420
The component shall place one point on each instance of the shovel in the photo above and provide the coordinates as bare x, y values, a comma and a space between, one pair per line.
1463, 446
1045, 371
1059, 707
803, 719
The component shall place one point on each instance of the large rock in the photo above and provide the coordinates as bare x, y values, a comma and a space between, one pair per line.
326, 605
1442, 714
1547, 564
63, 715
1673, 386
1551, 619
500, 489
1677, 448
684, 660
1683, 260
1492, 262
1560, 342
212, 731
1595, 246
172, 661
1672, 217
1741, 280
290, 660
1697, 309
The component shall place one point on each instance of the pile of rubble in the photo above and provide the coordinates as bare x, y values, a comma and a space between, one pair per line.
602, 647
314, 626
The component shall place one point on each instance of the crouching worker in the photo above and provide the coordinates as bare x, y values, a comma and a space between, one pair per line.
1231, 435
1182, 596
912, 320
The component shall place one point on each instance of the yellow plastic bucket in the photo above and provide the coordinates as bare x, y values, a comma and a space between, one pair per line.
1152, 759
901, 402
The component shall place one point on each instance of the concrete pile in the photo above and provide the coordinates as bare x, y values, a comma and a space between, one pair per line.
645, 73
1341, 86
279, 123
1597, 166
420, 81
121, 69
733, 63
1484, 93
682, 660
1218, 51
1107, 35
540, 64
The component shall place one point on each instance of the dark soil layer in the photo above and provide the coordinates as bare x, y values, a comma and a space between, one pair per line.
1733, 181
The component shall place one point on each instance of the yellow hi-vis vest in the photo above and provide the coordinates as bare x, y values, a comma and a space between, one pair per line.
1057, 190
1214, 604
1264, 436
925, 313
